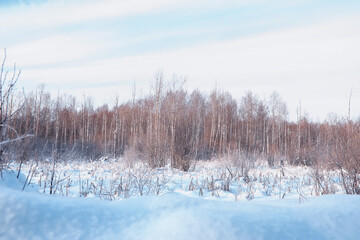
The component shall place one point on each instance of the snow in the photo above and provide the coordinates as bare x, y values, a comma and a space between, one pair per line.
177, 214
216, 180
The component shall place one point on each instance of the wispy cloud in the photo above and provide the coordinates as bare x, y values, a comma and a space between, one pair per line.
53, 13
295, 47
57, 29
53, 50
317, 63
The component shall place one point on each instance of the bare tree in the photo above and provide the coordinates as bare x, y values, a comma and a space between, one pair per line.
7, 109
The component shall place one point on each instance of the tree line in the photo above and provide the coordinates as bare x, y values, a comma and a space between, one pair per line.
172, 124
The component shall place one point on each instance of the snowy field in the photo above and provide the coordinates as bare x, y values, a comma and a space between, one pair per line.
215, 200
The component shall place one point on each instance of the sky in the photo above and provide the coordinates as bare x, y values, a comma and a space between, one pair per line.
306, 50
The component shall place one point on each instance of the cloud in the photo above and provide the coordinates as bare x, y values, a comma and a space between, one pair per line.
317, 64
53, 50
45, 34
79, 46
56, 13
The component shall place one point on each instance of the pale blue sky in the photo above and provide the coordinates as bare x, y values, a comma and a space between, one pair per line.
305, 50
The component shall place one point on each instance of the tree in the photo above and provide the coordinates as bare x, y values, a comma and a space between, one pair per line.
278, 117
155, 152
8, 109
344, 153
248, 114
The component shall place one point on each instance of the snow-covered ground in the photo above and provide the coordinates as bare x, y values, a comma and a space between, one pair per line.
217, 179
206, 203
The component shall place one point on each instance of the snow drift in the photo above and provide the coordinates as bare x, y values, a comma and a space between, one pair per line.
32, 215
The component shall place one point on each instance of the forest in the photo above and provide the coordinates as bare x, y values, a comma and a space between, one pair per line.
173, 126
